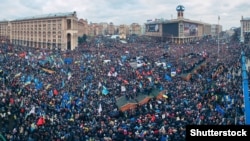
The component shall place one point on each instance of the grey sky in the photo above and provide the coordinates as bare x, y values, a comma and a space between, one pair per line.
131, 11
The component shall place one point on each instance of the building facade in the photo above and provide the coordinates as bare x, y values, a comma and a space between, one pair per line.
135, 28
123, 31
82, 27
245, 29
59, 31
104, 26
179, 30
215, 29
111, 29
46, 31
4, 31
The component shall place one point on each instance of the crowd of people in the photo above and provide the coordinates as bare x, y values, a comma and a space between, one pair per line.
71, 95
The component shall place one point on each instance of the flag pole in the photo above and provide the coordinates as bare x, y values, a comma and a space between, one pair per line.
218, 37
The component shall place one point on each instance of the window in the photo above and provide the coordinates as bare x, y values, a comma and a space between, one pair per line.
69, 24
59, 26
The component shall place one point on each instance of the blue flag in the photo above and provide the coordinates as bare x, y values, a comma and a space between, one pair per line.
104, 90
167, 77
82, 68
78, 102
63, 84
68, 60
219, 109
123, 58
161, 88
50, 93
38, 85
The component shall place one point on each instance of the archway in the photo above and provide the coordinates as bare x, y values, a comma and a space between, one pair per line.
68, 41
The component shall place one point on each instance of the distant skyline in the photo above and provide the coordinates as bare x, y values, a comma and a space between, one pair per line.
131, 11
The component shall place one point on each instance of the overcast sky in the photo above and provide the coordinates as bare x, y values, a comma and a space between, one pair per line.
131, 11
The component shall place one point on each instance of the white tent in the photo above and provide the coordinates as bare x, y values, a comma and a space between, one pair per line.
114, 36
123, 41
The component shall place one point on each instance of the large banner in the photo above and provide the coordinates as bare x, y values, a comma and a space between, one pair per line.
152, 28
190, 29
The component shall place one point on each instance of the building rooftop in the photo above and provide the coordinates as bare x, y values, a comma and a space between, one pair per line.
47, 16
3, 21
246, 18
175, 20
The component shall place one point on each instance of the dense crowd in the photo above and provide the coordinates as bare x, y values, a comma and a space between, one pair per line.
71, 95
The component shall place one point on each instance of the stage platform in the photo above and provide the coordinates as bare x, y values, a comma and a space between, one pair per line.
141, 99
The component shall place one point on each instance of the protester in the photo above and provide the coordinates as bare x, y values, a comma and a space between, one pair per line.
71, 95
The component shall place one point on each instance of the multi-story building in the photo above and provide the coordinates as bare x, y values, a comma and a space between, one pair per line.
135, 28
143, 29
4, 31
58, 30
82, 27
95, 29
104, 28
179, 30
215, 29
111, 29
245, 29
123, 31
207, 29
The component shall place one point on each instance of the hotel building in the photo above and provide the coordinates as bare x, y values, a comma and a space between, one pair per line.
46, 31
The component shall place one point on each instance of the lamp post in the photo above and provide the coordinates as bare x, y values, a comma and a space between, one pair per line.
218, 37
